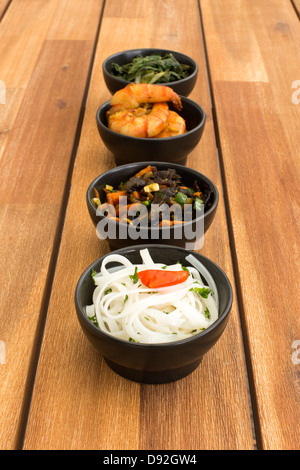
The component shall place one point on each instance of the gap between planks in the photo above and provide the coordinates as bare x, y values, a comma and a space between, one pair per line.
4, 4
296, 6
37, 343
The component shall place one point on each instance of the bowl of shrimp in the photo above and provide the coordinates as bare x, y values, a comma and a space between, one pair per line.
148, 65
153, 312
150, 122
152, 202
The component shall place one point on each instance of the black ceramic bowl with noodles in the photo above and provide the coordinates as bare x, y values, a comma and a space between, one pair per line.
119, 235
155, 362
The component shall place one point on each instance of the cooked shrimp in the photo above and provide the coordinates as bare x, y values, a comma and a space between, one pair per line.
175, 126
134, 94
139, 122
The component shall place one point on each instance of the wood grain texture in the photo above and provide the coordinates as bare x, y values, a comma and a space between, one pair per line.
23, 30
46, 85
78, 402
22, 33
259, 136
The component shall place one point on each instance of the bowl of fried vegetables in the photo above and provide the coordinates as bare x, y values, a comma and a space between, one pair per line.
152, 202
154, 66
150, 122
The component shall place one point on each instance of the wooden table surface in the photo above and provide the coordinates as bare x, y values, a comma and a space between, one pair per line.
55, 391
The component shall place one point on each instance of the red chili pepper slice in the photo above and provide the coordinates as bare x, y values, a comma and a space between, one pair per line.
156, 278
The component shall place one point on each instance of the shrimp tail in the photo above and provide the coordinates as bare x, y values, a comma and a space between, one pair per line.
177, 102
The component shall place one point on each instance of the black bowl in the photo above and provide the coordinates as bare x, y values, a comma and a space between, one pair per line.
190, 234
176, 149
154, 363
181, 87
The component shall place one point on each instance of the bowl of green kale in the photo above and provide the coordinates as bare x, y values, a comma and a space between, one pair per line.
154, 66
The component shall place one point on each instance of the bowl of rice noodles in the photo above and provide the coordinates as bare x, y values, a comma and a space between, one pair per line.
153, 312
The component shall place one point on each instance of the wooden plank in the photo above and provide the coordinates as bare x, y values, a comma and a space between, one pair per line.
22, 32
42, 120
56, 99
111, 412
259, 136
75, 20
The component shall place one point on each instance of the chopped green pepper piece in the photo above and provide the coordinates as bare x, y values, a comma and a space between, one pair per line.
146, 203
180, 198
198, 204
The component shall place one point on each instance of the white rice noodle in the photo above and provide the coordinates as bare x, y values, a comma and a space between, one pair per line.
200, 268
131, 311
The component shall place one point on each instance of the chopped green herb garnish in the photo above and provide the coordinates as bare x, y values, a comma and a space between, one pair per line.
207, 313
126, 298
134, 277
107, 291
93, 273
94, 320
203, 291
132, 340
183, 267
